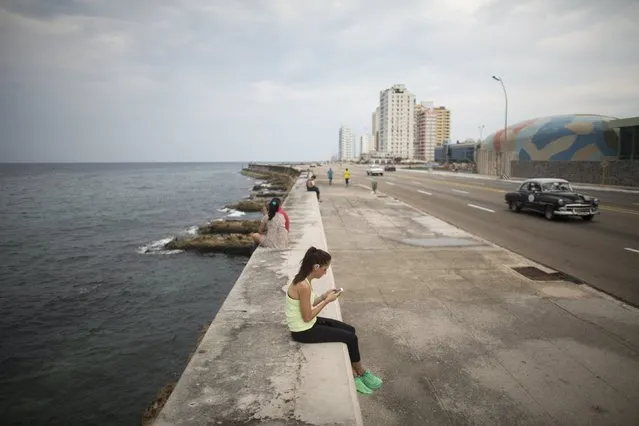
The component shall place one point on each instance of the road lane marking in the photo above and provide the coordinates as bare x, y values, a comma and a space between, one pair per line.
619, 210
472, 186
460, 191
480, 208
631, 249
424, 192
390, 183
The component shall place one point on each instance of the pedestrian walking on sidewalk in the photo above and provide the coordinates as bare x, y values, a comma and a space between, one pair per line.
303, 308
330, 176
347, 177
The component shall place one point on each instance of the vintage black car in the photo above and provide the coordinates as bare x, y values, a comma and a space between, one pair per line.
389, 168
552, 197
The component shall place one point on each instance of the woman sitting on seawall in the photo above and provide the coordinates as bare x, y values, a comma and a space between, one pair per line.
302, 308
273, 232
310, 186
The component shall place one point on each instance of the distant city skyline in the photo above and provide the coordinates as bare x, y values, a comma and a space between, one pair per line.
403, 128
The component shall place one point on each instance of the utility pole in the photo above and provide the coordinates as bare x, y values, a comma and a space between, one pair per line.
505, 124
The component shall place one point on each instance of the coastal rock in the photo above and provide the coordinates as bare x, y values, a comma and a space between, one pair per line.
268, 194
230, 226
249, 206
240, 244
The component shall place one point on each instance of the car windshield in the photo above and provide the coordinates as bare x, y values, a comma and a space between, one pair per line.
556, 187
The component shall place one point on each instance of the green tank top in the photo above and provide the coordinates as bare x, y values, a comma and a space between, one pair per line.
294, 313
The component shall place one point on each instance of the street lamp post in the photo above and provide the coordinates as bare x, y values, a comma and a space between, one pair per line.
505, 113
481, 131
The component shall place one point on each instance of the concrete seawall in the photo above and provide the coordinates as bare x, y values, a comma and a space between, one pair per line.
247, 370
273, 168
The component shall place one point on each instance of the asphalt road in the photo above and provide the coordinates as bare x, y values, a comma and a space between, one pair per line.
603, 253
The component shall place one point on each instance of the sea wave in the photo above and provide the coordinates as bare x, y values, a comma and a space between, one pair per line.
231, 212
157, 247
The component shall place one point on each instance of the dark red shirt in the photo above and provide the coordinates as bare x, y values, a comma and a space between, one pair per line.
287, 221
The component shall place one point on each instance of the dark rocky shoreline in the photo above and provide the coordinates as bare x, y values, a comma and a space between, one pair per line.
232, 236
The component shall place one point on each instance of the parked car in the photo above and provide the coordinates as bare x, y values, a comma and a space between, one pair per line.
374, 171
552, 197
389, 168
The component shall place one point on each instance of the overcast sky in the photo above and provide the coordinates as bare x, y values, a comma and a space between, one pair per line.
272, 80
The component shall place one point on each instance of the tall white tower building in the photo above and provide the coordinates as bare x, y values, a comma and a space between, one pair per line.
365, 144
397, 122
425, 131
346, 144
375, 131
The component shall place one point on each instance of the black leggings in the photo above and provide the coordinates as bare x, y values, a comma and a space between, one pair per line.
314, 188
327, 330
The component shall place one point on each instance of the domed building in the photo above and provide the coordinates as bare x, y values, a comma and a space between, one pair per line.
577, 147
558, 138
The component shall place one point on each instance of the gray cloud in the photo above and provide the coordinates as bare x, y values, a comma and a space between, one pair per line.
272, 80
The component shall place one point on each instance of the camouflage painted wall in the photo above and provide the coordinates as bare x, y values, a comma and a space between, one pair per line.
620, 172
559, 138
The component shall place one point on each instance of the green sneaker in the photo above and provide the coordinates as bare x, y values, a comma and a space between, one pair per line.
361, 387
371, 381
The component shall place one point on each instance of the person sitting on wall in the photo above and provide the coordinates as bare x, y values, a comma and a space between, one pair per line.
303, 308
264, 221
273, 232
310, 186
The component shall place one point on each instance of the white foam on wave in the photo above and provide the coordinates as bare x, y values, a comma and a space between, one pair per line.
231, 212
157, 247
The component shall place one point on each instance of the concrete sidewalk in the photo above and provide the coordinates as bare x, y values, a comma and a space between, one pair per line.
460, 337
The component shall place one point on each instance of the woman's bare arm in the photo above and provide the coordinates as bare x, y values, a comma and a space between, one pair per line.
309, 312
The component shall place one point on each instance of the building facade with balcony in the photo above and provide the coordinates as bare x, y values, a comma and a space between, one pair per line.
425, 131
397, 122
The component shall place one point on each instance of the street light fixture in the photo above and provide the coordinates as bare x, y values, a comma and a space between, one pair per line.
506, 109
481, 131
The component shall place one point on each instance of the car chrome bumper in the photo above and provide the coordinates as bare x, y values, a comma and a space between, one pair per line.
578, 212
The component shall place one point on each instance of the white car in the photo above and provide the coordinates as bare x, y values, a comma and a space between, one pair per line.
374, 171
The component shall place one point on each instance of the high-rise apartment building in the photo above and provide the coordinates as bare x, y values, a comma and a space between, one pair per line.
346, 144
425, 131
397, 122
365, 145
443, 125
375, 131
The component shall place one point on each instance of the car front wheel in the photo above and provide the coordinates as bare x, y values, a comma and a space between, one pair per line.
589, 217
549, 213
514, 206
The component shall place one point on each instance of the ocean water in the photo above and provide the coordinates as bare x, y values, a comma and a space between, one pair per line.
94, 317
